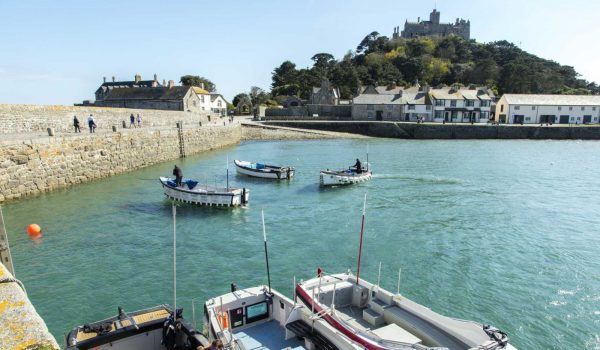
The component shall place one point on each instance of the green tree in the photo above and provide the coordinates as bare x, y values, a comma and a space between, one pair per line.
285, 80
195, 80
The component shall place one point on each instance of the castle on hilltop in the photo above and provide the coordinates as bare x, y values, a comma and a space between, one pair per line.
433, 27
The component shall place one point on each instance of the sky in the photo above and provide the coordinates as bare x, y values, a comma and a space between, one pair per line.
57, 52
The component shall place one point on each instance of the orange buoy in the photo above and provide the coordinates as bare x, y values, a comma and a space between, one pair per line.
34, 230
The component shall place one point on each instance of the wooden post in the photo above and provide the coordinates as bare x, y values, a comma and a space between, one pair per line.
5, 257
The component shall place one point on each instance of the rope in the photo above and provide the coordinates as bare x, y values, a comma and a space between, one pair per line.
13, 280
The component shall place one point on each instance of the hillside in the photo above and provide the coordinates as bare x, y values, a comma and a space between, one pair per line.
378, 60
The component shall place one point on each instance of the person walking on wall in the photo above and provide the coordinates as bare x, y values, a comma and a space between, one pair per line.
76, 124
131, 121
139, 121
178, 175
91, 124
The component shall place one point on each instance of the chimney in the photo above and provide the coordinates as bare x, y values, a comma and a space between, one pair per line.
171, 84
104, 79
418, 19
202, 86
164, 82
113, 78
155, 76
137, 78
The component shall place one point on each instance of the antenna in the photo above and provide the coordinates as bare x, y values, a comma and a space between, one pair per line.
362, 229
174, 260
262, 212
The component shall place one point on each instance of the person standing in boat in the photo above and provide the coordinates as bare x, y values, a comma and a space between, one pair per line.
178, 175
358, 166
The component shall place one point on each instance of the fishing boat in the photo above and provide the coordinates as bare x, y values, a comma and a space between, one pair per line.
380, 320
148, 329
192, 192
259, 318
344, 177
264, 171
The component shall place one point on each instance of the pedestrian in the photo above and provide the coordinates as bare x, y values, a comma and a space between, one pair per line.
178, 175
139, 121
76, 124
91, 123
131, 121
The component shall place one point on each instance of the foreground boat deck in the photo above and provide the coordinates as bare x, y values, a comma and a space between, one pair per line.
267, 336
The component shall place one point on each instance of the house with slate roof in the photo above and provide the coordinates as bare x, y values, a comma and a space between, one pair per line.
539, 109
457, 104
136, 82
171, 98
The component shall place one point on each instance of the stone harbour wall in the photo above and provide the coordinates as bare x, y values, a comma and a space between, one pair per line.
35, 118
44, 164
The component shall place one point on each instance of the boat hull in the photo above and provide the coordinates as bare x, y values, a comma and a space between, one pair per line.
342, 178
205, 195
268, 172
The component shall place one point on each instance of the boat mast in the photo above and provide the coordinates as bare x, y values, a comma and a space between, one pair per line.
362, 229
262, 212
174, 261
228, 173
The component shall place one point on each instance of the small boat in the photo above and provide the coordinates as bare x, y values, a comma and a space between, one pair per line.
191, 192
147, 329
380, 320
344, 177
256, 318
263, 170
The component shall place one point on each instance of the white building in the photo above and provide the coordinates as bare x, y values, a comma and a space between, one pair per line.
204, 96
461, 105
536, 109
218, 104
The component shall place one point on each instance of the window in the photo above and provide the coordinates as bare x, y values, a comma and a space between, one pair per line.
440, 102
428, 107
559, 108
485, 103
528, 119
411, 107
454, 114
370, 115
583, 108
439, 114
453, 103
202, 98
370, 107
219, 104
484, 115
470, 103
502, 108
593, 108
517, 108
257, 312
533, 108
571, 108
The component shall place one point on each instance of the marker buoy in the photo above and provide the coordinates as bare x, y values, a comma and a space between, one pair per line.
34, 230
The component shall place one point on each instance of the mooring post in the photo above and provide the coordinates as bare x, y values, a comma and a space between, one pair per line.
5, 256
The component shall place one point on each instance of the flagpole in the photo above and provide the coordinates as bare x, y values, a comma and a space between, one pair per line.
362, 229
266, 251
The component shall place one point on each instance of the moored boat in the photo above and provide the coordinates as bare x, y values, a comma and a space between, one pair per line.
148, 329
344, 177
264, 171
191, 191
380, 320
256, 318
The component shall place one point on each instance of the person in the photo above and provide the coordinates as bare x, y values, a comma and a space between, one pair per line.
131, 121
76, 124
178, 175
91, 123
358, 166
214, 345
139, 121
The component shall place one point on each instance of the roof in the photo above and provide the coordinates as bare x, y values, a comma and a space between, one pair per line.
127, 84
553, 100
447, 93
376, 99
200, 91
415, 97
215, 96
145, 93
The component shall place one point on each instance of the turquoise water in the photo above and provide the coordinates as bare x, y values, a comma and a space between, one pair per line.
502, 232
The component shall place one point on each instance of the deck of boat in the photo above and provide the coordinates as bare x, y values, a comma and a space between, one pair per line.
267, 336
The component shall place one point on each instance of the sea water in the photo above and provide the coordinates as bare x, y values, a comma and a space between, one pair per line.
501, 232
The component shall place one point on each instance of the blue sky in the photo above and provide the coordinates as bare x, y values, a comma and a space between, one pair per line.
56, 52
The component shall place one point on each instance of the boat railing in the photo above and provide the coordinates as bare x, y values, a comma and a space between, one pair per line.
229, 343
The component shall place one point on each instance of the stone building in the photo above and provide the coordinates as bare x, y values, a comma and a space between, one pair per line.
325, 95
434, 28
137, 81
172, 98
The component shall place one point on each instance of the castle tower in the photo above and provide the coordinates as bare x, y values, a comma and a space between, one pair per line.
434, 17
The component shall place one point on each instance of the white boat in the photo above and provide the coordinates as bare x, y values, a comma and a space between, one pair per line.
264, 171
380, 320
149, 329
191, 191
256, 318
344, 177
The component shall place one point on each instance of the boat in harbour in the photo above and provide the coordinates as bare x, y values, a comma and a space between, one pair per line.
381, 320
148, 329
192, 192
259, 318
344, 177
264, 171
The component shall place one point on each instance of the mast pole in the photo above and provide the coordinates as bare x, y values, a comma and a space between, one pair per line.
362, 229
174, 261
266, 251
228, 173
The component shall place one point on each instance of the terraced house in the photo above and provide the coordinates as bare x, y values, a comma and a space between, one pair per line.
540, 109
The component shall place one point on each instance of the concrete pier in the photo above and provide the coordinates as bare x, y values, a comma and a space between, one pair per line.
21, 328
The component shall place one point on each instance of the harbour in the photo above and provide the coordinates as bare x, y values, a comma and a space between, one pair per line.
490, 236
